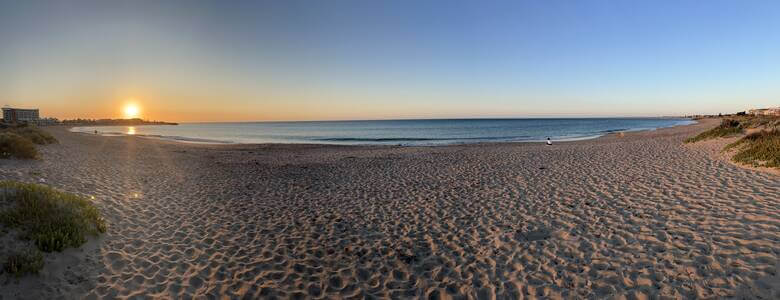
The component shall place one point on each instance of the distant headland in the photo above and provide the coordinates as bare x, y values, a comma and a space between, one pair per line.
113, 122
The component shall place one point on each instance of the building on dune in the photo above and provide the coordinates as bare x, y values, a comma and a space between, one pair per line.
774, 111
20, 115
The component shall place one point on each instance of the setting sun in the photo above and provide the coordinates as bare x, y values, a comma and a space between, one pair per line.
131, 111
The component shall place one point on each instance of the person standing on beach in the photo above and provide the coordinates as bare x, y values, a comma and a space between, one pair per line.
549, 142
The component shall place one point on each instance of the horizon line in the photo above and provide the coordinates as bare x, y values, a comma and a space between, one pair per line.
415, 119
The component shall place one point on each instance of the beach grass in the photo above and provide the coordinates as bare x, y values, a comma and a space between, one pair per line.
20, 264
34, 134
14, 145
760, 149
19, 142
52, 219
727, 127
759, 122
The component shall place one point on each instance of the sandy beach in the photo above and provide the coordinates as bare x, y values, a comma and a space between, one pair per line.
637, 216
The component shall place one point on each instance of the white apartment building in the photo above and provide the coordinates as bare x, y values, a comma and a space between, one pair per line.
20, 115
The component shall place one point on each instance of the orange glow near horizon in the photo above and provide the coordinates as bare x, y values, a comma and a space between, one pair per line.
163, 105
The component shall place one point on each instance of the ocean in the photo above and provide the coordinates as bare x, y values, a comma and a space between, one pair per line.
392, 132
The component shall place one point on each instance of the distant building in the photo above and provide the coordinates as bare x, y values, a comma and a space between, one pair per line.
19, 115
48, 121
775, 111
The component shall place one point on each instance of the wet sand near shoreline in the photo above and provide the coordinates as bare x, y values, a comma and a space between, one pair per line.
637, 216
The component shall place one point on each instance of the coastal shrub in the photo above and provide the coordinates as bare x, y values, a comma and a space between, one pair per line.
21, 264
35, 135
53, 220
767, 122
727, 127
14, 145
758, 149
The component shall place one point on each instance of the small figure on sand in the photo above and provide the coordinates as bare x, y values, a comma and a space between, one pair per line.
95, 131
549, 142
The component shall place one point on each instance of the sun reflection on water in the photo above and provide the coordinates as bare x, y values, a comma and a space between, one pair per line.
131, 130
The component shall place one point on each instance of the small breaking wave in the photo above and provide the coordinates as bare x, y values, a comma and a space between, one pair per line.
412, 139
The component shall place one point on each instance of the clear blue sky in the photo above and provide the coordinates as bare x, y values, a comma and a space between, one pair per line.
303, 60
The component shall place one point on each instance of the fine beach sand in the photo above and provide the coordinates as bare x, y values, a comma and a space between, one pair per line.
639, 216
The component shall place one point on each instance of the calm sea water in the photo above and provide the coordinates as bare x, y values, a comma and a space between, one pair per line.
403, 132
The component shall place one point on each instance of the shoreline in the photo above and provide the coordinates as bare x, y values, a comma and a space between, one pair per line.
191, 140
636, 216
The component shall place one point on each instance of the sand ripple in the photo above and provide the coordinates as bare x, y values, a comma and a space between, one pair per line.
640, 216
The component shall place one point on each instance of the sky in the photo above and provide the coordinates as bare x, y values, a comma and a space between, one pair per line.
335, 60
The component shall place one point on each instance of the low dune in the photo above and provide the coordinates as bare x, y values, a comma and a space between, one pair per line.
639, 215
